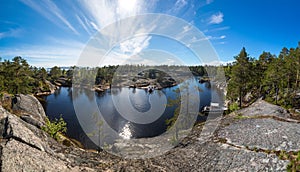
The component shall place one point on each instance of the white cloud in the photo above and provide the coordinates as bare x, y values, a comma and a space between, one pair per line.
217, 63
149, 57
135, 45
177, 7
187, 28
49, 10
216, 37
217, 29
11, 33
105, 12
180, 4
209, 1
94, 26
216, 18
222, 37
83, 24
60, 52
221, 43
94, 15
194, 39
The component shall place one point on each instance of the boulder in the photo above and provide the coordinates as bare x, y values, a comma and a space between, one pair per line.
28, 104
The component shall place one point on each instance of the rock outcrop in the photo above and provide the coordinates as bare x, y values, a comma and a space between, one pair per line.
46, 89
263, 108
27, 148
30, 106
64, 82
247, 140
52, 87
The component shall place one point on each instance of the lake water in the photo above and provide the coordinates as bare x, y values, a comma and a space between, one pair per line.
61, 104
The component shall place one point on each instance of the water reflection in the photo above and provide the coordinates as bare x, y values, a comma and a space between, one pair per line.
62, 103
126, 132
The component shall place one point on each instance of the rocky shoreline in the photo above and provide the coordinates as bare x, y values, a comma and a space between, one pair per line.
250, 139
130, 82
140, 83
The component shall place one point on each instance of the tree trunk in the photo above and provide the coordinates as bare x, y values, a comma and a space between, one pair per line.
240, 98
297, 80
276, 95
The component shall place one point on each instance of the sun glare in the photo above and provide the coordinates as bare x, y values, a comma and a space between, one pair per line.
127, 4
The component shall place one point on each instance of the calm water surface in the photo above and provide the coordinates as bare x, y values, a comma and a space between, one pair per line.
61, 103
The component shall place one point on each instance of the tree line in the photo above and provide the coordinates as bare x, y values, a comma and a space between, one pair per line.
18, 77
274, 78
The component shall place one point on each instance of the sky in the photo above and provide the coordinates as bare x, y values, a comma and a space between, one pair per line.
57, 32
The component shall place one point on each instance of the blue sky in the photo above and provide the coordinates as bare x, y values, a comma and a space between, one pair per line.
49, 33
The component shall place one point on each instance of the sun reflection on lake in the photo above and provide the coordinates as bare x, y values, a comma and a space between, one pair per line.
126, 132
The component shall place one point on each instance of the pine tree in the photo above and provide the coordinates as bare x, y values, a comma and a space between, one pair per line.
240, 76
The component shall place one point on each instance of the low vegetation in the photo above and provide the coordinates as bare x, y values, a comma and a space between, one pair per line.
293, 157
53, 128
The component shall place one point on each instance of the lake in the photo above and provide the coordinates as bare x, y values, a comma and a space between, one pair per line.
61, 104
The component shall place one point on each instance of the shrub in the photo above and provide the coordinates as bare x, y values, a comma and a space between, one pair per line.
233, 107
294, 164
54, 127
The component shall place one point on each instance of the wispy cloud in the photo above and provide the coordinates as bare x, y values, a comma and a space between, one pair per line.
49, 10
135, 45
112, 10
209, 1
92, 16
217, 63
81, 22
58, 52
216, 29
222, 37
149, 57
216, 37
194, 39
216, 18
180, 4
94, 26
187, 28
11, 33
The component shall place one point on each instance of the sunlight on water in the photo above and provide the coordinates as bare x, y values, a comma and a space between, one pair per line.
126, 132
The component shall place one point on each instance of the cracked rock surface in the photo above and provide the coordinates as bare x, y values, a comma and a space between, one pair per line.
24, 147
263, 108
267, 134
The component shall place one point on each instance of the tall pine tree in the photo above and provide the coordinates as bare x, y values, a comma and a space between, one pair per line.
240, 77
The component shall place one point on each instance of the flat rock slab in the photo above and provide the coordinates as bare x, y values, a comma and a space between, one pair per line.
263, 108
17, 156
218, 157
267, 134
